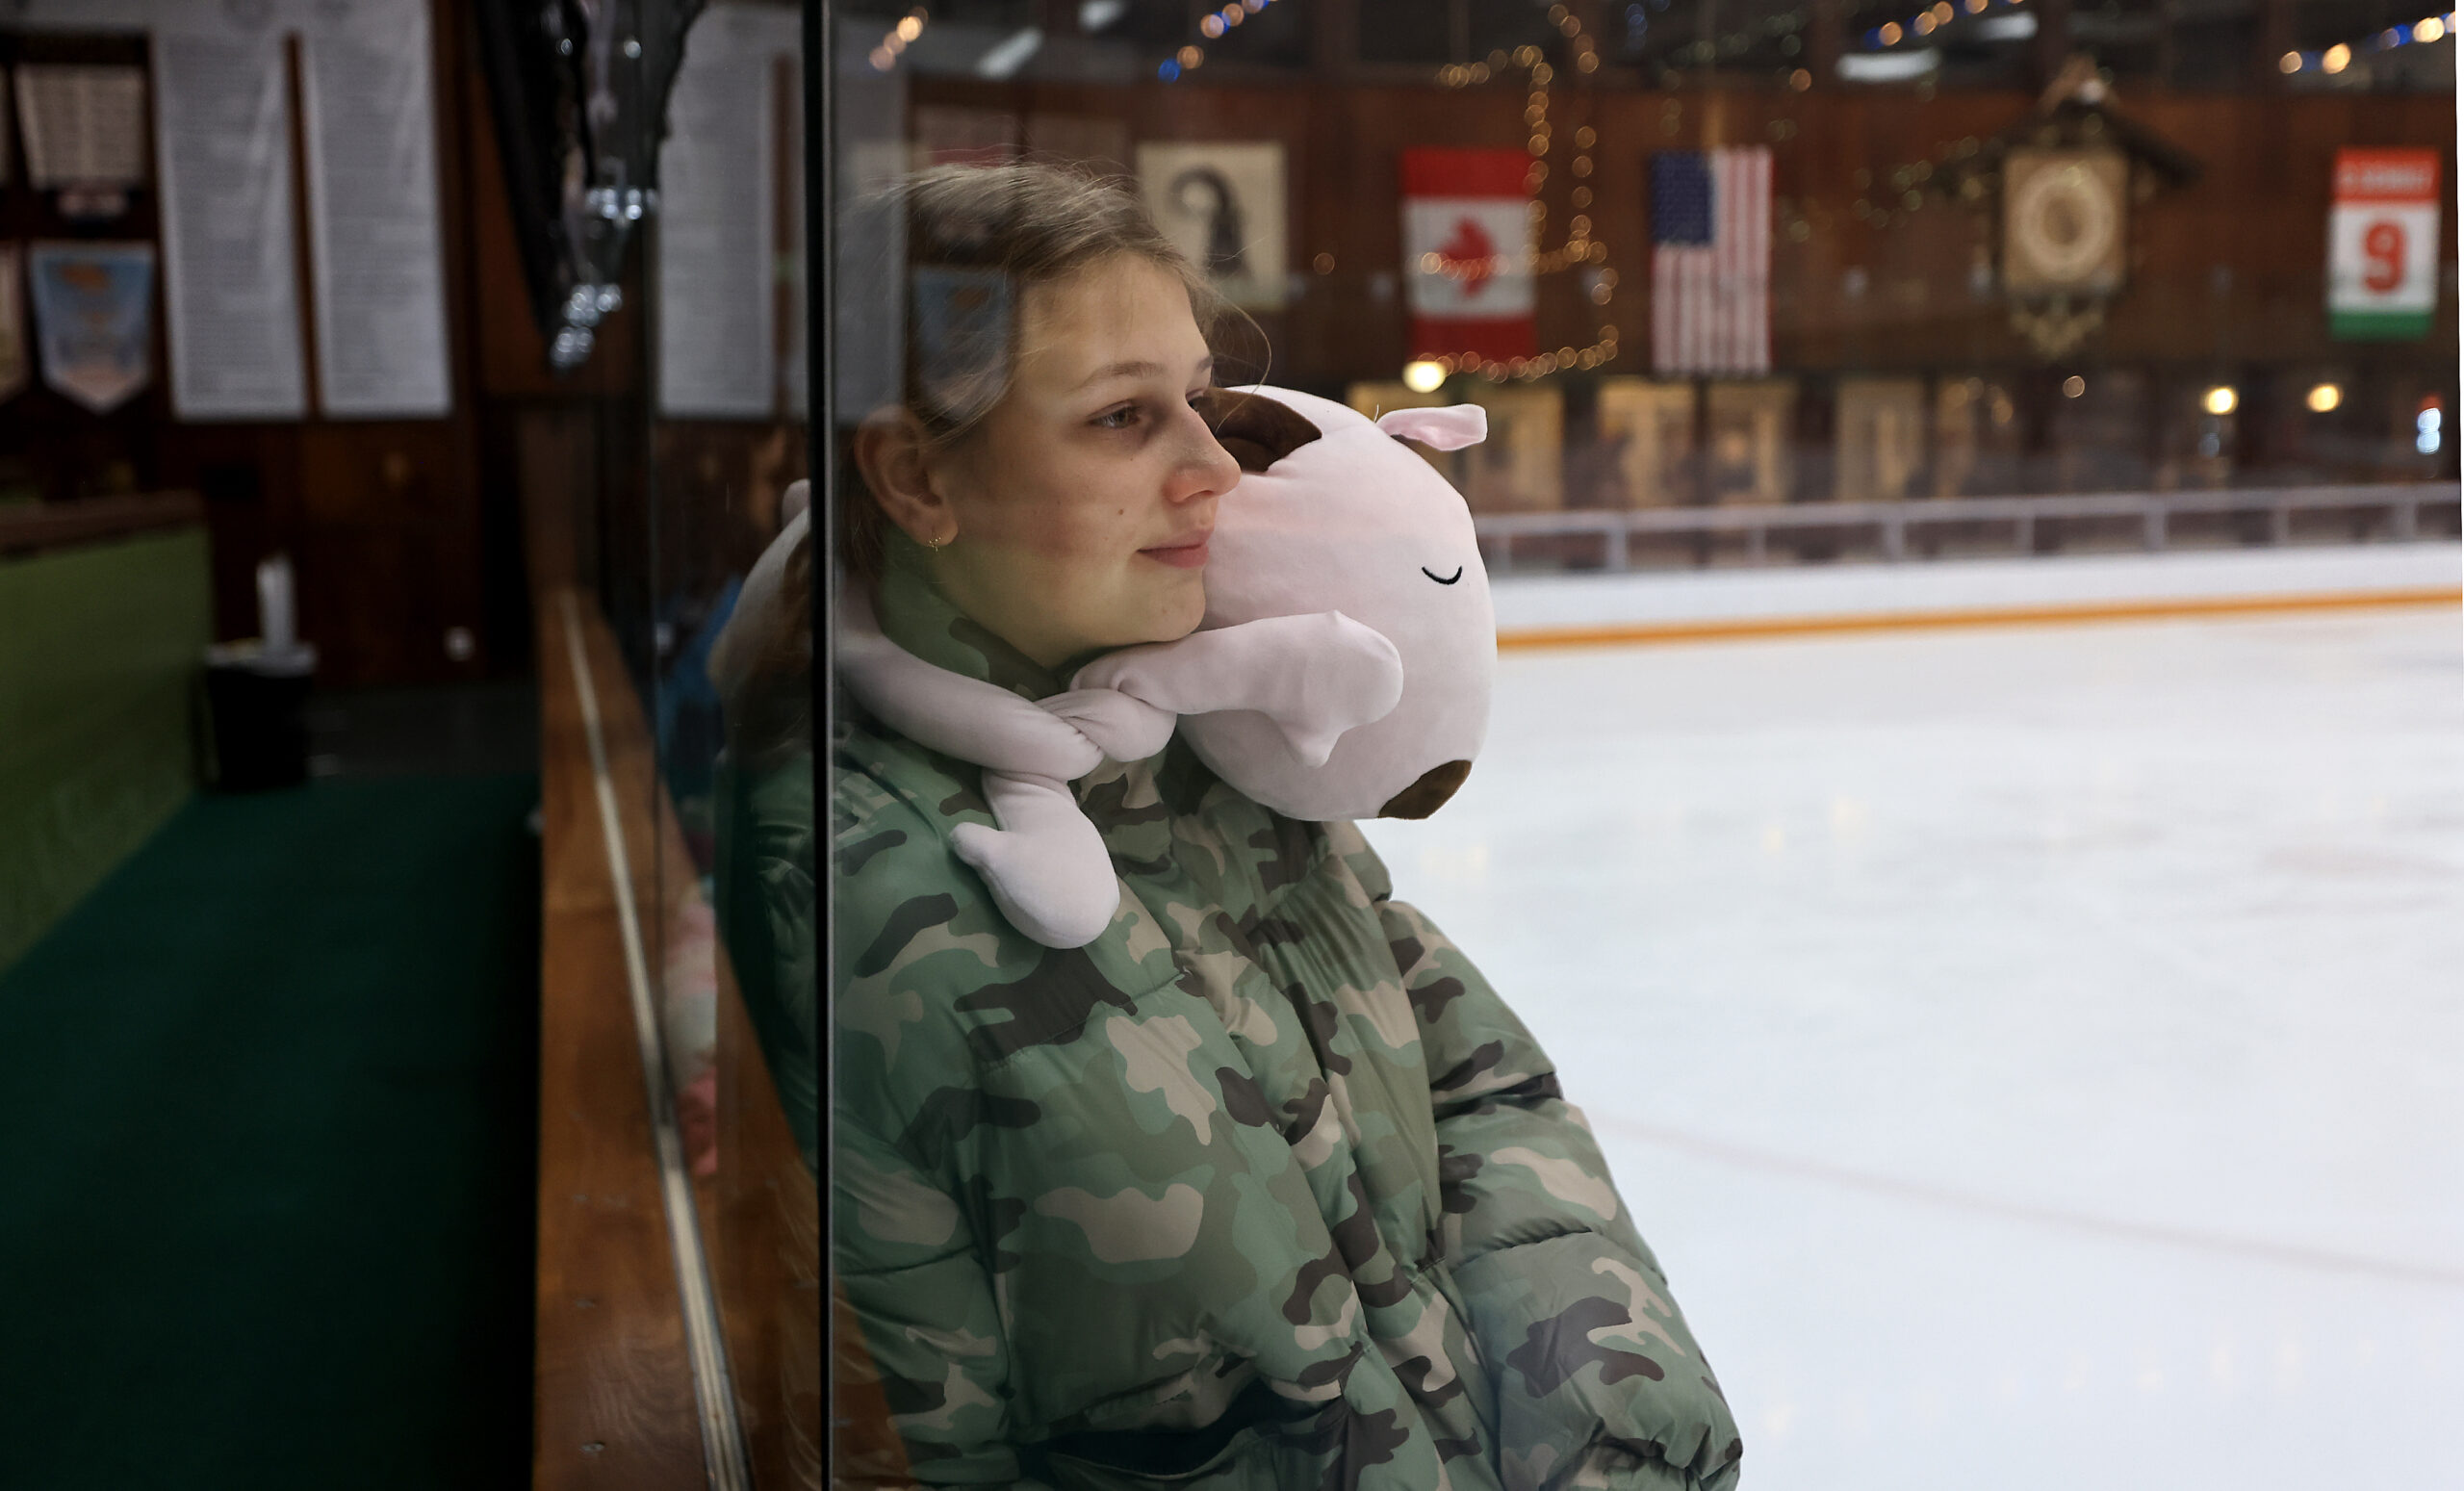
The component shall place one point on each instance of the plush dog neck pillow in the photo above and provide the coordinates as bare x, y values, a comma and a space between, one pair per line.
1334, 513
1343, 670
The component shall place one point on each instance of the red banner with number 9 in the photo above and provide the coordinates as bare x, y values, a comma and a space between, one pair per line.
2383, 243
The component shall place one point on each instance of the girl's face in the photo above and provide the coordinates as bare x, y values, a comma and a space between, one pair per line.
1083, 501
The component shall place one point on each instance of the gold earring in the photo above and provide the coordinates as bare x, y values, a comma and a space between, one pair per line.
938, 544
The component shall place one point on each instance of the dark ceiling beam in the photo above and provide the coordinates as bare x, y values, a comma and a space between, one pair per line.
1826, 38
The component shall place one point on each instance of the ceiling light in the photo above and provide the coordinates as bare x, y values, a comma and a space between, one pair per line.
1006, 56
1888, 66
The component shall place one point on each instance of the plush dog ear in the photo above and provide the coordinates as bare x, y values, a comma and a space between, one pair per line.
1450, 428
1258, 431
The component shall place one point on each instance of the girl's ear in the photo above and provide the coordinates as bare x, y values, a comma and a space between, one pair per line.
890, 451
1450, 428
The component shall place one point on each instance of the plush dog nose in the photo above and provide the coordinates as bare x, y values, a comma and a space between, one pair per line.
1428, 795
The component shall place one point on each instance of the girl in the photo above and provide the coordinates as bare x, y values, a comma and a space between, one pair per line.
1265, 1187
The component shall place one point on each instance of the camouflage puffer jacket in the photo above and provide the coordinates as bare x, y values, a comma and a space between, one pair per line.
1264, 1188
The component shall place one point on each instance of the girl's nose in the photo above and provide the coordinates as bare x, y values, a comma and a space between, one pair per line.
1209, 470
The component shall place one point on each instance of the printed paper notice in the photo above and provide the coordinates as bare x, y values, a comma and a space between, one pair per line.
377, 254
230, 283
717, 298
82, 126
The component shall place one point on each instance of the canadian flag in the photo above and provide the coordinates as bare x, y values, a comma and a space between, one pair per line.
1467, 253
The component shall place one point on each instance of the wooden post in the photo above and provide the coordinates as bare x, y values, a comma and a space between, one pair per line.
1826, 36
2275, 37
2053, 39
1334, 38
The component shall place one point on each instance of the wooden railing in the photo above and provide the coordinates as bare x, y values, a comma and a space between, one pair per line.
29, 526
637, 1381
613, 1405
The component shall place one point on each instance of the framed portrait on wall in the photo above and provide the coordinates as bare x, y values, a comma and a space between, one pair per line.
1521, 466
1648, 427
1223, 205
1752, 457
1879, 440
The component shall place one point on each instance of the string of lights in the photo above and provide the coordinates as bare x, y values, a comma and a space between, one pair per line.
2336, 59
1785, 26
1933, 18
1214, 26
1580, 246
895, 41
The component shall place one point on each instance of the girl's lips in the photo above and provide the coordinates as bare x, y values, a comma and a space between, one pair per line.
1186, 557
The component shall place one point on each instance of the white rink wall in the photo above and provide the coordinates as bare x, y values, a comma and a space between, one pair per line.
1529, 604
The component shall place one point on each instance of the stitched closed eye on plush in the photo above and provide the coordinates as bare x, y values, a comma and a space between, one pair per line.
1443, 580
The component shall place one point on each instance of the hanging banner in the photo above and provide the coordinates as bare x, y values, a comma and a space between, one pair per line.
94, 320
13, 326
1467, 253
230, 286
2382, 246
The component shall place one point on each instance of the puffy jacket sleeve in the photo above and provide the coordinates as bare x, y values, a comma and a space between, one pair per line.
907, 1260
908, 1244
1599, 1380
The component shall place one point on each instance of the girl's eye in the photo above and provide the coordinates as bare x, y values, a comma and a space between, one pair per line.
1121, 418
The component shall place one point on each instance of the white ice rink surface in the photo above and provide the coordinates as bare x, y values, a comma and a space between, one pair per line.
2037, 1056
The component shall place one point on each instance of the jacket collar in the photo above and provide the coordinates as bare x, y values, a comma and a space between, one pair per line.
914, 614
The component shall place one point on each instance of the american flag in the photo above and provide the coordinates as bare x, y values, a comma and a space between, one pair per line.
1711, 260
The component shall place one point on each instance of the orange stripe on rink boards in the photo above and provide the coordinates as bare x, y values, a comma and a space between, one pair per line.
1750, 627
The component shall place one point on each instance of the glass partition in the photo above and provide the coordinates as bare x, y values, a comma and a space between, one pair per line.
658, 198
1947, 491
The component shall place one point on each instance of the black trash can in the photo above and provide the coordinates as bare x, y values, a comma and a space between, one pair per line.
257, 703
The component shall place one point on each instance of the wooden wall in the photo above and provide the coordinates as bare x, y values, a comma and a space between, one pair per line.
383, 519
399, 530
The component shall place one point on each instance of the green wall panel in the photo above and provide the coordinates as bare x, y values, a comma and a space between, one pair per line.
100, 648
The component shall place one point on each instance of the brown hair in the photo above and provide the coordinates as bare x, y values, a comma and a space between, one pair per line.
976, 237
